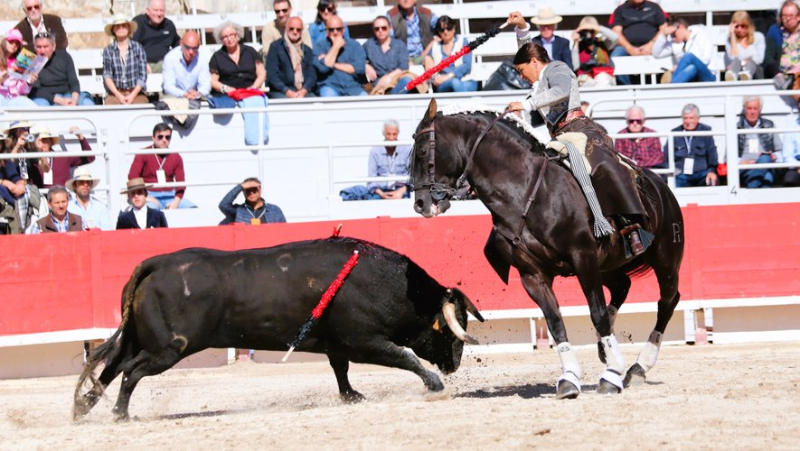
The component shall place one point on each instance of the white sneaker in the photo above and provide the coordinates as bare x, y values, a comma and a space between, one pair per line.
730, 76
744, 76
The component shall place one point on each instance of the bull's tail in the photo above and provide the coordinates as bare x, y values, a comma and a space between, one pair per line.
109, 353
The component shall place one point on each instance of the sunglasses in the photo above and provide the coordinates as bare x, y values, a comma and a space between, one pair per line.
740, 25
295, 29
43, 34
33, 7
380, 28
636, 121
329, 8
336, 29
194, 49
167, 137
252, 190
281, 11
448, 29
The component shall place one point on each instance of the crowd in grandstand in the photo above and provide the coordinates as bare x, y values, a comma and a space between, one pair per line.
299, 60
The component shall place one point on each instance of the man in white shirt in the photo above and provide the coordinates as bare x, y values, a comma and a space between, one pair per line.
186, 79
691, 51
94, 212
387, 161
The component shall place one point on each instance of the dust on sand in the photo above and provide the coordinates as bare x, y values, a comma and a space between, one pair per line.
697, 397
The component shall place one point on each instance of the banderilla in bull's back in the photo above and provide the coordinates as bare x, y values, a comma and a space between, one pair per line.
367, 322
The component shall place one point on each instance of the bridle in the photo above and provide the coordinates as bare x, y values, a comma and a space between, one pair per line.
440, 191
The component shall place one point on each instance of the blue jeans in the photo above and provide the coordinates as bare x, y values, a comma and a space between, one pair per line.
401, 84
251, 120
165, 197
16, 102
690, 68
330, 91
620, 51
457, 85
696, 179
84, 99
758, 178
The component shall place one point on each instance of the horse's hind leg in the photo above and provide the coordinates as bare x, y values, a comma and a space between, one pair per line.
668, 284
540, 289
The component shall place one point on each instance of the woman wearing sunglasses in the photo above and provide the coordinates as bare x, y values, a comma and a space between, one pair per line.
325, 9
451, 78
744, 49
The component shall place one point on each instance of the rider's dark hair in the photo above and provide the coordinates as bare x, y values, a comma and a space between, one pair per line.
530, 51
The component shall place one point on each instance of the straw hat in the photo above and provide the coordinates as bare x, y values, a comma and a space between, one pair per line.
44, 132
546, 16
120, 19
81, 173
134, 184
18, 124
588, 23
14, 35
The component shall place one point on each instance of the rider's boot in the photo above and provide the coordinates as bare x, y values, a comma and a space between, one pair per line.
632, 231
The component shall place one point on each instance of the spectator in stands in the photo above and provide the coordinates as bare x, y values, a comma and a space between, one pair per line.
276, 29
340, 62
59, 220
387, 59
125, 77
691, 50
452, 77
791, 153
36, 22
645, 152
186, 79
41, 172
695, 156
787, 39
638, 24
788, 21
13, 90
237, 73
325, 10
156, 33
387, 161
57, 83
60, 167
290, 65
94, 212
757, 147
139, 216
11, 187
744, 49
254, 211
28, 202
591, 57
161, 168
546, 22
415, 26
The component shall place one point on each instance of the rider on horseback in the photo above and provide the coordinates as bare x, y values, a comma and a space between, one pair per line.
555, 96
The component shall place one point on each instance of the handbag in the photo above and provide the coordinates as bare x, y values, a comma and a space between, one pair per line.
505, 78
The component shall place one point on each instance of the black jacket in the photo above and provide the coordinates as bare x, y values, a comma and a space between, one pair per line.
280, 75
155, 219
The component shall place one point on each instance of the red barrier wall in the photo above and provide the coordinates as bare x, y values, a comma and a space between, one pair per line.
74, 281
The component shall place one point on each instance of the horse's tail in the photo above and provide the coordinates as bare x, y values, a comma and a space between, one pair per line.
109, 352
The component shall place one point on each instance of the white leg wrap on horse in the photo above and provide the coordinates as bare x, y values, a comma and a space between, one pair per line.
612, 318
647, 358
569, 363
571, 378
612, 377
614, 359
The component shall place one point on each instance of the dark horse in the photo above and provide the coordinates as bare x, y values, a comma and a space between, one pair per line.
543, 227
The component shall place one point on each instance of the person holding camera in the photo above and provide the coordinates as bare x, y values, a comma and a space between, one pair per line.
591, 53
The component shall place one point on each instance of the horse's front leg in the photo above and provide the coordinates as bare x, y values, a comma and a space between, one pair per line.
591, 283
540, 289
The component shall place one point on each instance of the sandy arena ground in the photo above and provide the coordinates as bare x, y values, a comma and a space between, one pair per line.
697, 397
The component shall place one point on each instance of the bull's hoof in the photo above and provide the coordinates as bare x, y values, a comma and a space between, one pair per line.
601, 353
567, 390
636, 375
352, 397
607, 388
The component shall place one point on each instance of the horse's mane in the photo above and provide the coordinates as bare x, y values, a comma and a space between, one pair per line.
513, 119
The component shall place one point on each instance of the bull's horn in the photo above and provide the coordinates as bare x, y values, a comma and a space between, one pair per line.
449, 311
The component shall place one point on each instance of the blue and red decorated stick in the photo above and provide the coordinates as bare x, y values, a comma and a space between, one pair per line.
472, 45
327, 297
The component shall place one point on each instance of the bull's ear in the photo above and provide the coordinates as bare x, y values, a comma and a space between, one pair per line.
431, 113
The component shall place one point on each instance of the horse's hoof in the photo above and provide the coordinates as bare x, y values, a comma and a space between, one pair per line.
352, 397
635, 376
607, 388
567, 390
122, 417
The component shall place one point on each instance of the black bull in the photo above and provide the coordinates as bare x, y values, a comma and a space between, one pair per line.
177, 304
